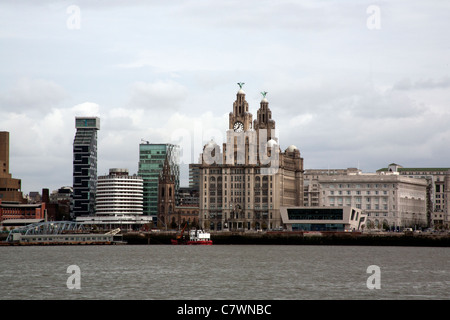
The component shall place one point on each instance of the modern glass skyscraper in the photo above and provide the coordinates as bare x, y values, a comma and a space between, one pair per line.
151, 162
85, 166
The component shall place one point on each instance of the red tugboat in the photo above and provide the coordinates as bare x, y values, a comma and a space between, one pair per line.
196, 237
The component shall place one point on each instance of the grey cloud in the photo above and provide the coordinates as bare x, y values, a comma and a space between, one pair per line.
32, 95
408, 84
159, 95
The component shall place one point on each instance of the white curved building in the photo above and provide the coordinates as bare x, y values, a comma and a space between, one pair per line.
119, 194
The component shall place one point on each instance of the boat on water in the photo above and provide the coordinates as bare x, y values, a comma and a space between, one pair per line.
196, 237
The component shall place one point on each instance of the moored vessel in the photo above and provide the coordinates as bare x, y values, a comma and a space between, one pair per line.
60, 233
196, 237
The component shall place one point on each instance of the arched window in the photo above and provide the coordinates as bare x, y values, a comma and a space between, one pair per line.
170, 191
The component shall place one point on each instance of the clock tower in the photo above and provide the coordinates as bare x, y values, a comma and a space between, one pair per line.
264, 118
243, 186
240, 118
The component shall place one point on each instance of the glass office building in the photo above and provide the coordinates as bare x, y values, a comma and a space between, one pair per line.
151, 161
85, 166
323, 218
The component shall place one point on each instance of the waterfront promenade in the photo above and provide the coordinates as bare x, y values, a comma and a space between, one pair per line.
297, 238
303, 238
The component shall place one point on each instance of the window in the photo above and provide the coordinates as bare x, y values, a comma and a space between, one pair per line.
315, 214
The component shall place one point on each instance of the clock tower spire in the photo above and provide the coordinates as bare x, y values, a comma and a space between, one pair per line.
240, 118
264, 117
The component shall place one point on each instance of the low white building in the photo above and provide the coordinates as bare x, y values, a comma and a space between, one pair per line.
322, 218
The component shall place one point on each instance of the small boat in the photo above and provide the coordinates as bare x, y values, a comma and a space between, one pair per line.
196, 237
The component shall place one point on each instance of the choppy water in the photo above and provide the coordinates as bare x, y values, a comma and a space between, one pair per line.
224, 272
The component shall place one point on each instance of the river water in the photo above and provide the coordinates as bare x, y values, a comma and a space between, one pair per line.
291, 272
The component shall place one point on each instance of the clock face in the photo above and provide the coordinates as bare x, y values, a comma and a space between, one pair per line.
238, 126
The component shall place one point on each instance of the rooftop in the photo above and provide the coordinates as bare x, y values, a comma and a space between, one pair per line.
416, 169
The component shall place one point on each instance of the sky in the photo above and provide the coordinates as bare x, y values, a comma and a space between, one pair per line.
350, 83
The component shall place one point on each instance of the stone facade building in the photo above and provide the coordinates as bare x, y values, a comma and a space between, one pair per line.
244, 184
389, 200
438, 192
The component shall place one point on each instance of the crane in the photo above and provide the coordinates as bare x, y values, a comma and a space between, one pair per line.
182, 231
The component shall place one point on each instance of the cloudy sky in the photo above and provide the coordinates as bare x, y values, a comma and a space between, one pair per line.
350, 83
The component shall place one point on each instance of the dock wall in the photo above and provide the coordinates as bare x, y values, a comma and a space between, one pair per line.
294, 238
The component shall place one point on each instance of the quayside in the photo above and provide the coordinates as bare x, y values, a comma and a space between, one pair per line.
60, 233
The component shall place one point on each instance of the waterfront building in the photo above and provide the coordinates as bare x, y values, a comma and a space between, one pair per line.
172, 212
85, 166
438, 193
17, 213
10, 188
119, 202
243, 186
311, 187
151, 162
389, 200
119, 194
338, 219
